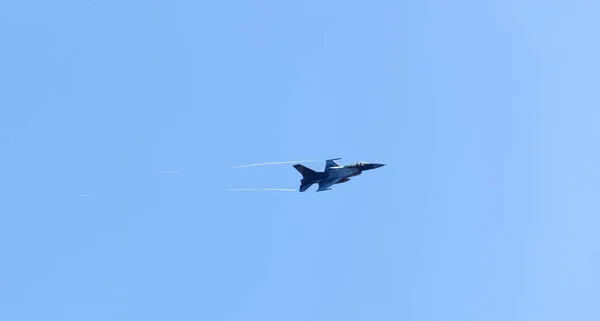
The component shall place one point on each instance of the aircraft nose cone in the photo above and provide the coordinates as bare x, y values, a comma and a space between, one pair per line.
378, 165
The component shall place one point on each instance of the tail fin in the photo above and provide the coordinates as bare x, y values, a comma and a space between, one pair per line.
305, 171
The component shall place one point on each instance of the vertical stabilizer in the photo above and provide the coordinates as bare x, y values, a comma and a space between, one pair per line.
305, 171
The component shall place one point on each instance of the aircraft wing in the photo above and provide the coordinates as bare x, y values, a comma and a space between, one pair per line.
332, 164
327, 183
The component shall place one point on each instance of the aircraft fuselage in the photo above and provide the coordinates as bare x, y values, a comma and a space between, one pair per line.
334, 173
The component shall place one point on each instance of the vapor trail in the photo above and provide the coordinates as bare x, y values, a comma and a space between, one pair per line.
261, 189
169, 172
273, 163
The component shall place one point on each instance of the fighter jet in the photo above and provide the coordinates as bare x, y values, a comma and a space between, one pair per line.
334, 174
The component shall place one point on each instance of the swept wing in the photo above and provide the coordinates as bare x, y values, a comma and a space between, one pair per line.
331, 164
327, 183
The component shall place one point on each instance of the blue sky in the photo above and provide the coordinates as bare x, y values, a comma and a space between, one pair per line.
485, 112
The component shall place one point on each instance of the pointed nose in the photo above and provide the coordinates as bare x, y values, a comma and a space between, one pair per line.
378, 165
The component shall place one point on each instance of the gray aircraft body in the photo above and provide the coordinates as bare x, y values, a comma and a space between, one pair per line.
334, 173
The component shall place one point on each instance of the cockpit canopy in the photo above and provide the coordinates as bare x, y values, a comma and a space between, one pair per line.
358, 164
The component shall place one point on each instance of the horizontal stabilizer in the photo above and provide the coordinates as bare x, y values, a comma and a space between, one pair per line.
304, 187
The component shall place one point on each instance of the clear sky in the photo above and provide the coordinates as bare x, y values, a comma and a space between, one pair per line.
486, 112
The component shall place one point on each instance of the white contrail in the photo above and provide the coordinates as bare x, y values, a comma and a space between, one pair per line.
170, 172
261, 189
273, 163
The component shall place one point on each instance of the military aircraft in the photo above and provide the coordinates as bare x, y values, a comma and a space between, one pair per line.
334, 174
